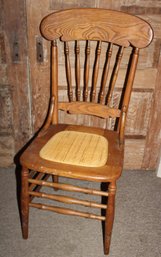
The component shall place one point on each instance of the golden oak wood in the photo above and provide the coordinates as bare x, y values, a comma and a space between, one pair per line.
69, 200
86, 72
89, 108
106, 72
54, 78
66, 211
115, 74
77, 73
105, 25
67, 187
115, 28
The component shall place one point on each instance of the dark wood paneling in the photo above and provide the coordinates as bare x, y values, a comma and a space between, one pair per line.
153, 141
6, 110
25, 81
60, 4
14, 26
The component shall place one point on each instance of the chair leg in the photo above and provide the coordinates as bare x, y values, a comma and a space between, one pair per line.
24, 202
55, 179
109, 216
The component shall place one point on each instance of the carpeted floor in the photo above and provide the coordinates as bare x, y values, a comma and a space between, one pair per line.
136, 233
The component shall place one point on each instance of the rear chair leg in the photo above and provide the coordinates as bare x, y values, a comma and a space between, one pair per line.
109, 216
55, 179
24, 202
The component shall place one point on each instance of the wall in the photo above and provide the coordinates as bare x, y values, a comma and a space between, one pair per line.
15, 119
24, 85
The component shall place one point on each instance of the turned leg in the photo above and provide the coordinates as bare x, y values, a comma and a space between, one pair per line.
24, 202
109, 216
55, 179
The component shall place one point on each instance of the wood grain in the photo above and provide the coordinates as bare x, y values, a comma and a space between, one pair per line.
151, 158
133, 30
40, 90
15, 44
89, 108
134, 153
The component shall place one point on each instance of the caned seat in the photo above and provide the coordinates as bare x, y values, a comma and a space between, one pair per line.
93, 44
76, 148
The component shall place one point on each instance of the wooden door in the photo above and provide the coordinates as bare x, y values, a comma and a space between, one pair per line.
15, 119
143, 141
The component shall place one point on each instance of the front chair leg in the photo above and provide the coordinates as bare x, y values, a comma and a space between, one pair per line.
109, 216
24, 202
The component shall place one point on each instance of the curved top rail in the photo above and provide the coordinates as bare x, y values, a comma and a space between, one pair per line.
97, 24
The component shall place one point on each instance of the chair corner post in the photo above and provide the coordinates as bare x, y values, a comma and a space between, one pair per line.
24, 202
109, 216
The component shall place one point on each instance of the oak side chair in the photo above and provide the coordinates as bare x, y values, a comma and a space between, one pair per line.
88, 153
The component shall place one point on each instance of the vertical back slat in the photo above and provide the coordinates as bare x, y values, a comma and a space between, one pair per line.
77, 72
95, 71
115, 74
105, 72
68, 72
54, 78
86, 71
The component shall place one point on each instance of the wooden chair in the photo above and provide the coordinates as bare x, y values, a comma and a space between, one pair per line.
77, 151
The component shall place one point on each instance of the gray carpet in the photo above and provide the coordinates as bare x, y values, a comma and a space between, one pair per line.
136, 233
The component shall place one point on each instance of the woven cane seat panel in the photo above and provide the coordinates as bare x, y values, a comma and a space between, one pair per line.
76, 148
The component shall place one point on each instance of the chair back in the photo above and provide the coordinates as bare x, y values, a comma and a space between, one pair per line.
96, 42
